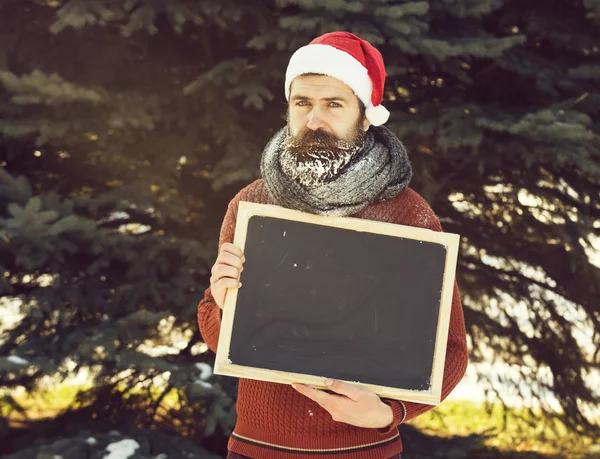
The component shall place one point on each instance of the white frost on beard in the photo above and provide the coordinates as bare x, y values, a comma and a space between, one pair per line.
320, 165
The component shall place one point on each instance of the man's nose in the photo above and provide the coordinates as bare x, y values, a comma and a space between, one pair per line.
315, 120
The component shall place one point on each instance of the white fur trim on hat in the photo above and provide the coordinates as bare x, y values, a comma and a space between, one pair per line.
327, 60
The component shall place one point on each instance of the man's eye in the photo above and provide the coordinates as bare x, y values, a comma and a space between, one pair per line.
334, 105
302, 103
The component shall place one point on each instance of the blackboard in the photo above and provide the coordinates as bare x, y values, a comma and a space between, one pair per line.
360, 301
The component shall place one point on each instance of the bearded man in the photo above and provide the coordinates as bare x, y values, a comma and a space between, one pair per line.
334, 157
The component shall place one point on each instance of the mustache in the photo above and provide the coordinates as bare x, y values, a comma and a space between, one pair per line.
320, 139
308, 136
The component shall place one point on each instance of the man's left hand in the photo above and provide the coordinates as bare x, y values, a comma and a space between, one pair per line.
355, 406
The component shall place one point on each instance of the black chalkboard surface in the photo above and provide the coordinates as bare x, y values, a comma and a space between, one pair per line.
360, 301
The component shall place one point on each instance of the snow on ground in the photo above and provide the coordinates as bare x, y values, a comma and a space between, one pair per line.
17, 360
122, 449
205, 370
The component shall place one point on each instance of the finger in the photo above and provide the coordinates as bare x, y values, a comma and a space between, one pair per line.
322, 398
233, 249
230, 259
343, 388
227, 282
221, 271
218, 268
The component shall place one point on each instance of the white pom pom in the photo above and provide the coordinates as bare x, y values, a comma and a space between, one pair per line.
377, 115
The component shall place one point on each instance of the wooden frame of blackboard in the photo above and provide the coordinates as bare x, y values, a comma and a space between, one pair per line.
247, 210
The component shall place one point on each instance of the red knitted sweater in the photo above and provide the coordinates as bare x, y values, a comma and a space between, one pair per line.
275, 421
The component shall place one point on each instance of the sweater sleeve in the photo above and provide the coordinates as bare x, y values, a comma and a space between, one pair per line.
209, 313
455, 364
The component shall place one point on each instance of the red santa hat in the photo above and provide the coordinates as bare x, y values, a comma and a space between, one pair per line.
350, 59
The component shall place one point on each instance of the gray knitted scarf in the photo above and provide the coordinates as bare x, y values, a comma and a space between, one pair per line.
379, 171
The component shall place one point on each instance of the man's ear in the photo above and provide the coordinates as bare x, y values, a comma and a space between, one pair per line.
366, 124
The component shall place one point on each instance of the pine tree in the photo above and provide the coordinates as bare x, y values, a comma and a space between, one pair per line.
126, 127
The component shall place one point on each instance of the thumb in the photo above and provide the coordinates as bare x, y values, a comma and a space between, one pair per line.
342, 388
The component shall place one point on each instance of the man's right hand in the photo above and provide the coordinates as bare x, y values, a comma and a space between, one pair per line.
226, 272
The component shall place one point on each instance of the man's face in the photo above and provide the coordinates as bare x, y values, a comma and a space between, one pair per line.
326, 129
325, 103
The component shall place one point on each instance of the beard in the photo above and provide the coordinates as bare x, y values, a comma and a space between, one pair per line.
313, 158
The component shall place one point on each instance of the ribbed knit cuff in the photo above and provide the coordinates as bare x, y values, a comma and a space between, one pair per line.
399, 410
